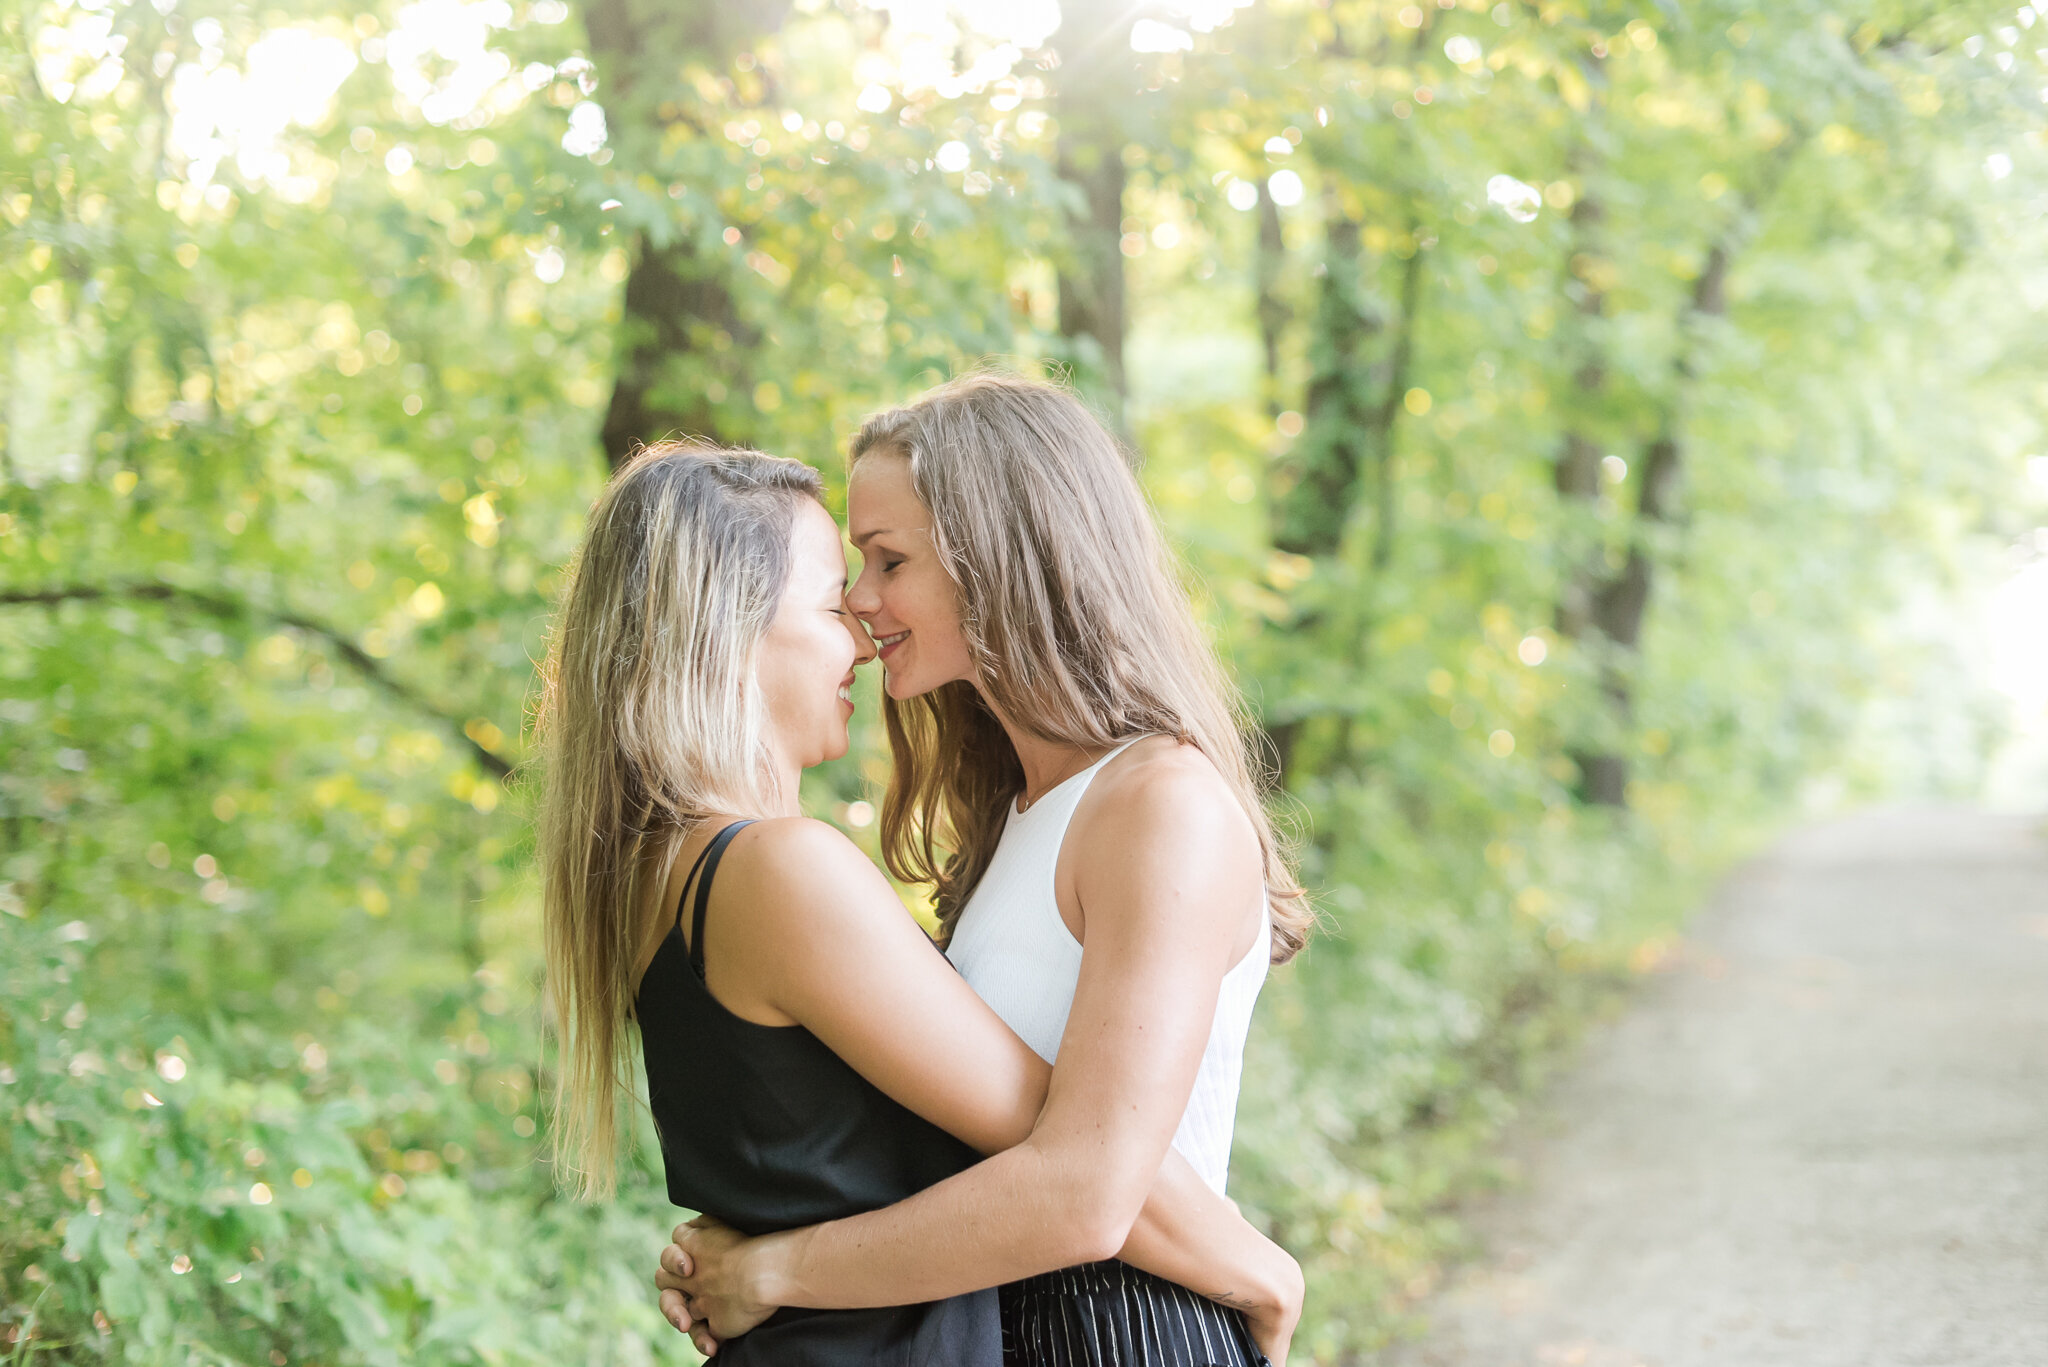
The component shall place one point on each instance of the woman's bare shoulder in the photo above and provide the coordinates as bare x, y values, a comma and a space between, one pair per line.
786, 858
1162, 771
1162, 842
1164, 790
796, 908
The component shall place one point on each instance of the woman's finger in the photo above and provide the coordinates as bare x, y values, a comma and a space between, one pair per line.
666, 1280
677, 1312
706, 1344
677, 1263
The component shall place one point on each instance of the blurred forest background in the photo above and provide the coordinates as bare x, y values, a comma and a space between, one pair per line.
1590, 426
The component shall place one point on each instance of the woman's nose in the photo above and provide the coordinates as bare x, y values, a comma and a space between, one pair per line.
861, 599
863, 644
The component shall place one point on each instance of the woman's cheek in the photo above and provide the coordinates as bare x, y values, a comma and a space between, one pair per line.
915, 602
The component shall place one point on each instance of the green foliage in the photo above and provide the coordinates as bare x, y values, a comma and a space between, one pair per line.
300, 423
211, 1191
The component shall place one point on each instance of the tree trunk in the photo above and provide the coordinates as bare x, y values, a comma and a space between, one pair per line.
1094, 86
1400, 364
1353, 402
1603, 773
1614, 605
1317, 480
682, 344
1619, 606
1271, 309
1353, 405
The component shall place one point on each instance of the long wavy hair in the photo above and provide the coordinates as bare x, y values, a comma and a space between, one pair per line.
1076, 619
650, 720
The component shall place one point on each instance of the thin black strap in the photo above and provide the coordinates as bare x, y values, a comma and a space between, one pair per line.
695, 868
708, 862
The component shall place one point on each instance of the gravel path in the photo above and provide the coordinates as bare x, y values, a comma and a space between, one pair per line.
1820, 1139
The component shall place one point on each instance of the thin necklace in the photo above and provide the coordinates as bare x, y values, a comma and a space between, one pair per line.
1025, 804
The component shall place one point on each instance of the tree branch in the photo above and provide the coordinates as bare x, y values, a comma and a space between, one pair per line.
234, 609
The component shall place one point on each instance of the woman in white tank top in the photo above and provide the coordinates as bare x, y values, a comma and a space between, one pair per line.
1110, 884
1019, 954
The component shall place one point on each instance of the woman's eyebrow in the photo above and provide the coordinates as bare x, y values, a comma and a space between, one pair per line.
869, 535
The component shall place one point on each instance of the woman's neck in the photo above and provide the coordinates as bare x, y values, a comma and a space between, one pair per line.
1046, 763
788, 781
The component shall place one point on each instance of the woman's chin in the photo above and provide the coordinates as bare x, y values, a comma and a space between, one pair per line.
903, 687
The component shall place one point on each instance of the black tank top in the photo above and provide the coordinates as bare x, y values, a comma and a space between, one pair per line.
765, 1128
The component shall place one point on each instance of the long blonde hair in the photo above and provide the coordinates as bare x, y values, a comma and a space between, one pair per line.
1079, 629
650, 720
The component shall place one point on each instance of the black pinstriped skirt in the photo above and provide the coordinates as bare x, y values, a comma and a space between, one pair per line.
1109, 1314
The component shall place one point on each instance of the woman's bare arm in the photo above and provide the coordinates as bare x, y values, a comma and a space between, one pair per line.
1176, 1237
1163, 877
872, 987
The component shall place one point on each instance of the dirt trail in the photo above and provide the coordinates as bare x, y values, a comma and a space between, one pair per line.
1820, 1140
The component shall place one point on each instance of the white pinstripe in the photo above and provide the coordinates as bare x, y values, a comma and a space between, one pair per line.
1077, 1323
1183, 1309
1112, 1315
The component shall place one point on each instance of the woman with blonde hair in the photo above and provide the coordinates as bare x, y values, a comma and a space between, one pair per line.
1109, 881
809, 1054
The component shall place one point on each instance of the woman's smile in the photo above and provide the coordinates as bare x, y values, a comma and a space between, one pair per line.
887, 644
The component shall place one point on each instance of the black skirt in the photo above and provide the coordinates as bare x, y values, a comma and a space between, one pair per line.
1109, 1314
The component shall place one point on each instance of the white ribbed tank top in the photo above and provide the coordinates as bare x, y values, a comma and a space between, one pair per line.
1019, 957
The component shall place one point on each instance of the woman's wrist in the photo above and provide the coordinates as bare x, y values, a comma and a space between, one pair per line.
770, 1268
1281, 1285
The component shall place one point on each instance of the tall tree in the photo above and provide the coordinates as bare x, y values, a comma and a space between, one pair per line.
1577, 475
682, 342
1617, 606
1095, 87
1354, 400
1269, 307
1361, 350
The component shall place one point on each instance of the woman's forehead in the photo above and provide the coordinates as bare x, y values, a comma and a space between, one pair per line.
814, 538
881, 497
